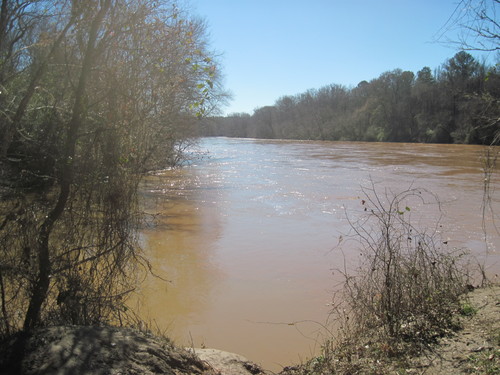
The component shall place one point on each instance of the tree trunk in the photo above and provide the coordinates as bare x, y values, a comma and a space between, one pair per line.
41, 286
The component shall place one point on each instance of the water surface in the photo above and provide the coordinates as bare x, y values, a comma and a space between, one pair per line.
247, 234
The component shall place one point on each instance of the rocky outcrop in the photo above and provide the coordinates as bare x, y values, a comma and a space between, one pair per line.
85, 350
82, 350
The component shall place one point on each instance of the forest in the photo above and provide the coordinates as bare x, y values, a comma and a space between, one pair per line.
457, 102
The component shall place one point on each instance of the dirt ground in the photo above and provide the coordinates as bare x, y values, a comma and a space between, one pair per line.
475, 349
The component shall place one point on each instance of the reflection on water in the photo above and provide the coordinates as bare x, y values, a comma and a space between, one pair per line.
247, 234
179, 244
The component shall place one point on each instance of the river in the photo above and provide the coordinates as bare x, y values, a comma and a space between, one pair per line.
246, 235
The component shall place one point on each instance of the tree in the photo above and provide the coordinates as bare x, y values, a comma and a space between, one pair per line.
110, 91
460, 70
449, 104
392, 118
424, 76
479, 30
18, 22
476, 22
263, 118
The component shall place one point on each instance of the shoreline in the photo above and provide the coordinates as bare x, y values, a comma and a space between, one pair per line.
110, 350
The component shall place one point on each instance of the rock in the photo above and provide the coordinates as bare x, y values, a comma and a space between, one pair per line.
80, 350
225, 363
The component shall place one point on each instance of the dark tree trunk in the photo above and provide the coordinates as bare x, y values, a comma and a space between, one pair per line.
42, 283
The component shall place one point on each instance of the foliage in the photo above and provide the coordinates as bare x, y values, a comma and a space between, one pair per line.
92, 97
459, 103
466, 309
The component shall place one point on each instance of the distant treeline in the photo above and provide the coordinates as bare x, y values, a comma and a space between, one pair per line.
457, 103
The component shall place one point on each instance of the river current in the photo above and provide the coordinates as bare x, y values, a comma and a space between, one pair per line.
246, 237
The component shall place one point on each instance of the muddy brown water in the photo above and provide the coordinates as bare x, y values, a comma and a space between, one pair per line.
247, 234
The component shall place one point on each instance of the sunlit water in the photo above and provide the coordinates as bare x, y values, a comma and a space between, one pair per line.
247, 235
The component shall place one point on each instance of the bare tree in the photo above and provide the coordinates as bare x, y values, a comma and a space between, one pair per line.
477, 25
113, 90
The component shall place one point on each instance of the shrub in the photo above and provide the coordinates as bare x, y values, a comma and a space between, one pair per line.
407, 286
402, 296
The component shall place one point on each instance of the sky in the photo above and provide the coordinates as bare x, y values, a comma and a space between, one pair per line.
272, 48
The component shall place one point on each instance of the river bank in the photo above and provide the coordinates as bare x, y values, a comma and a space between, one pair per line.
475, 349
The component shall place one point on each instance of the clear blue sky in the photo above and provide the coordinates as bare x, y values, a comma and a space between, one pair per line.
271, 48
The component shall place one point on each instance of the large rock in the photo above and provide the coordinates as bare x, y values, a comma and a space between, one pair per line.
225, 363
